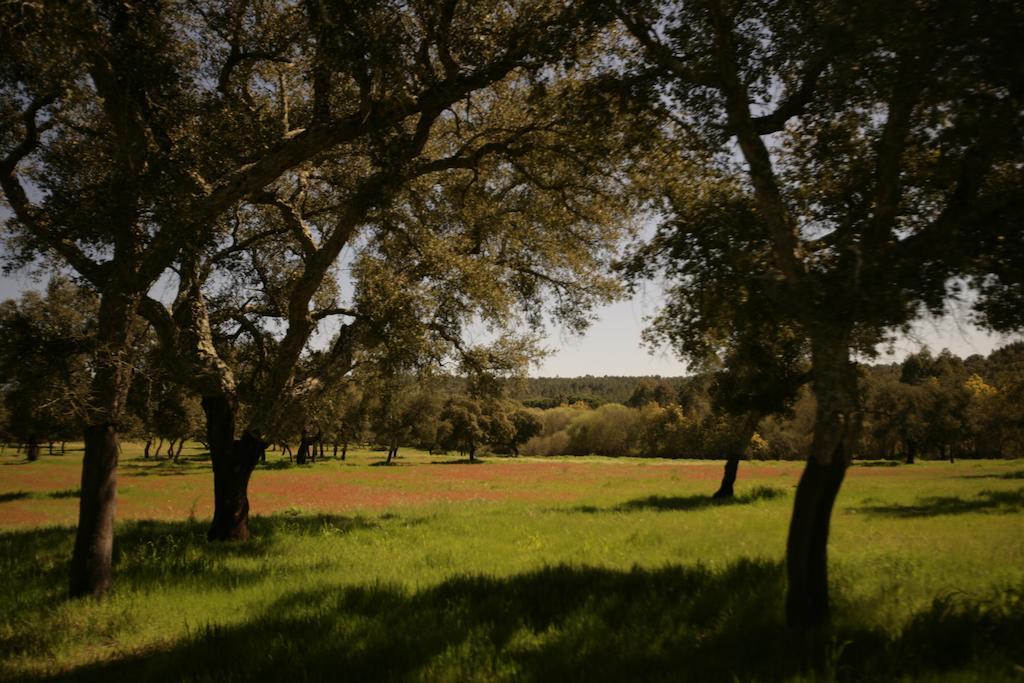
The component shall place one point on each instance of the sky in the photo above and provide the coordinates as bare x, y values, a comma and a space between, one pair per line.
613, 346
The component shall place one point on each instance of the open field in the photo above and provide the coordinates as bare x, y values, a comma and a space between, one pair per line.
513, 569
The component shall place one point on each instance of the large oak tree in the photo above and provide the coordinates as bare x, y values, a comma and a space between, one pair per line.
838, 165
130, 130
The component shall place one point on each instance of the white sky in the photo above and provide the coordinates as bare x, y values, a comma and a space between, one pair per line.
612, 346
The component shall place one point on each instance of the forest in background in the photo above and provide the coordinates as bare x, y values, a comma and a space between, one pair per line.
928, 406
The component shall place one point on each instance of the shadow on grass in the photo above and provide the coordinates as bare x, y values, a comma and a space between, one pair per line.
277, 465
559, 623
149, 556
684, 503
565, 623
459, 461
876, 463
162, 468
149, 553
1017, 474
22, 495
986, 501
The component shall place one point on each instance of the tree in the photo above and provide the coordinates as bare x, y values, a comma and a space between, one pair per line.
414, 191
352, 420
525, 425
177, 417
877, 161
150, 124
462, 426
46, 345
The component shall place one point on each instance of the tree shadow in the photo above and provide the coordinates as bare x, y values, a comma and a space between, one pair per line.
162, 468
565, 623
876, 463
151, 553
13, 495
149, 556
459, 461
986, 501
1016, 474
684, 503
559, 623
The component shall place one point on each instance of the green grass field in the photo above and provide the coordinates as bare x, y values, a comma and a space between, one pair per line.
555, 569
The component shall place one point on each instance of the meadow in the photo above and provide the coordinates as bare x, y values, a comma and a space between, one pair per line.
556, 569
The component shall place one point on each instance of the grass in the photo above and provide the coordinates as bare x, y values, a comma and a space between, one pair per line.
530, 569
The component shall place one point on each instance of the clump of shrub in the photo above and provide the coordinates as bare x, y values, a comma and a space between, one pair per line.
652, 430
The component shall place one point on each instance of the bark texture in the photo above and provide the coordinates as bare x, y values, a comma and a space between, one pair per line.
233, 463
836, 431
91, 561
94, 538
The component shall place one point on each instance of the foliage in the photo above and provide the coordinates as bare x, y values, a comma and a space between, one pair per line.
46, 342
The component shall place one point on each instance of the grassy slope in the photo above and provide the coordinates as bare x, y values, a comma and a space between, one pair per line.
579, 569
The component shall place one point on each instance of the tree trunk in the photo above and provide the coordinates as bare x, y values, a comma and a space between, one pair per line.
303, 453
145, 451
177, 453
62, 444
732, 465
233, 463
94, 539
344, 450
746, 427
836, 431
49, 448
159, 447
32, 452
335, 453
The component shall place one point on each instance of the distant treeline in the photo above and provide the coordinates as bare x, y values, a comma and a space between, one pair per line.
551, 392
925, 407
928, 406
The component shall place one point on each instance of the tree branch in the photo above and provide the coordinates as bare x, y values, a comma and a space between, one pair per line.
889, 163
771, 206
794, 104
292, 220
29, 216
327, 312
660, 53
